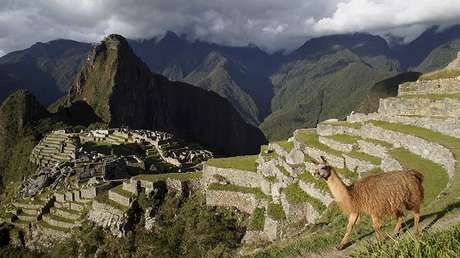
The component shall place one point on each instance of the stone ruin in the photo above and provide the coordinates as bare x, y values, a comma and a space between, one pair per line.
75, 181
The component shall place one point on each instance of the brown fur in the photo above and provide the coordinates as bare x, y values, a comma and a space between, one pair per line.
385, 194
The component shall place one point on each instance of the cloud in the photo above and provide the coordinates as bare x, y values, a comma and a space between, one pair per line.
272, 24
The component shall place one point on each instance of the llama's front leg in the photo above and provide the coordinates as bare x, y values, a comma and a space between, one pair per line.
398, 225
376, 223
352, 218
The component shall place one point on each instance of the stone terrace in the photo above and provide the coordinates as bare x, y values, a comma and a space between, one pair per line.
419, 129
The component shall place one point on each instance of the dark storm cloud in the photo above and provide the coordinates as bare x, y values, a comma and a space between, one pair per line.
269, 23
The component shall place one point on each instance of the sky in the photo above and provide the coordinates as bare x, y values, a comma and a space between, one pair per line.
270, 24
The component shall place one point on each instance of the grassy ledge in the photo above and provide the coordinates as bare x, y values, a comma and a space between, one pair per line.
257, 220
318, 183
295, 195
247, 163
275, 211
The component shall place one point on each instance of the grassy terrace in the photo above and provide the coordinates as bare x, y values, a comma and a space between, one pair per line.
59, 218
236, 188
275, 211
295, 195
441, 74
311, 139
177, 176
288, 146
46, 225
432, 96
452, 143
435, 176
318, 183
104, 198
119, 190
350, 139
247, 163
257, 220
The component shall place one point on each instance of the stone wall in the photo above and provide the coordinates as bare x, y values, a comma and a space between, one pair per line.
448, 126
299, 211
235, 177
420, 107
244, 202
311, 190
427, 150
108, 217
119, 198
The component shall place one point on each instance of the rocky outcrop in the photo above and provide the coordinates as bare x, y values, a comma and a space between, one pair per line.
123, 92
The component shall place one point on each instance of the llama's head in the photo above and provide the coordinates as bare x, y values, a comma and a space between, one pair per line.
323, 169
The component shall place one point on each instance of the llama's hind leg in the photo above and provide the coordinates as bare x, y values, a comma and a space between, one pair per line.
376, 223
352, 218
399, 218
416, 213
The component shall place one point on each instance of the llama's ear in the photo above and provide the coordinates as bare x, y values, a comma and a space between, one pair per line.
323, 159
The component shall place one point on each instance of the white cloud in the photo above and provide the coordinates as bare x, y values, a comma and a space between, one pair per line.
268, 23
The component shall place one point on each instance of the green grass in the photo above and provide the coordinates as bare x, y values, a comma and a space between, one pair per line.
295, 195
442, 243
344, 138
247, 163
318, 183
433, 96
364, 156
435, 177
257, 220
275, 211
59, 218
236, 188
271, 179
311, 139
452, 143
177, 176
283, 170
441, 74
350, 139
288, 146
119, 190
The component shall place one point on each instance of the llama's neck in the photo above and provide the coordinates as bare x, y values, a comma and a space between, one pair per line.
340, 192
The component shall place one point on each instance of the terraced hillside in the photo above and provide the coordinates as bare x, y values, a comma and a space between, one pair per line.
419, 129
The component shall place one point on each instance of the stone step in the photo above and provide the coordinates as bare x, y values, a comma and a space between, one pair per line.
21, 224
28, 205
61, 222
443, 86
121, 196
353, 161
33, 212
66, 213
445, 125
424, 148
446, 106
25, 217
62, 232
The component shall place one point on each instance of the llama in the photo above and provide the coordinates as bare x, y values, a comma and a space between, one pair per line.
378, 195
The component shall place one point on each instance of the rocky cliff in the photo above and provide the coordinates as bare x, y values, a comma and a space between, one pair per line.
123, 92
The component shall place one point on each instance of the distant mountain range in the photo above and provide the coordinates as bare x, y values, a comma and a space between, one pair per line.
326, 77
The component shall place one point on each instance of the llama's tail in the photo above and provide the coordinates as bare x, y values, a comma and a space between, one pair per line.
419, 177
